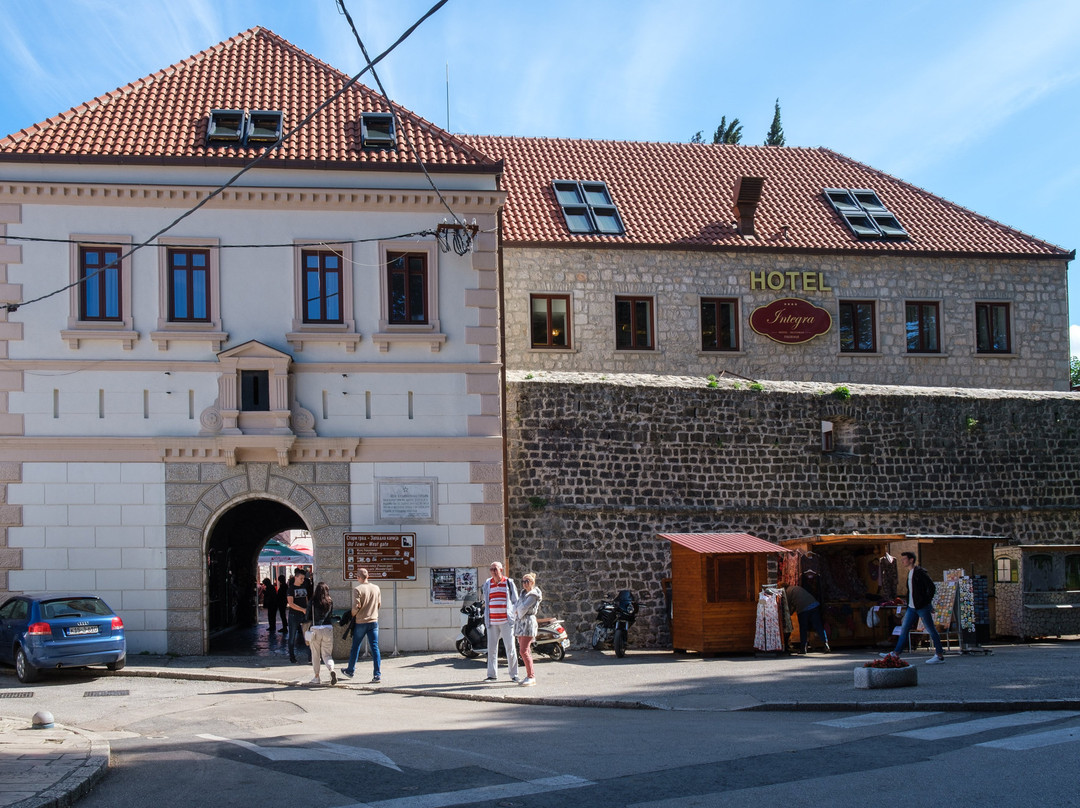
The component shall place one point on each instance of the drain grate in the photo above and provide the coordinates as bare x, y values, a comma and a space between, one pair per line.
16, 694
91, 693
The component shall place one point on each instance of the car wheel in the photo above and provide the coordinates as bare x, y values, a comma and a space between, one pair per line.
24, 670
118, 665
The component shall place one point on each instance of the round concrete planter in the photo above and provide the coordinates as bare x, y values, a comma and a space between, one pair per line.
872, 678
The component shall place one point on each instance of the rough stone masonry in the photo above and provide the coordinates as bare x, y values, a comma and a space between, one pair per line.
600, 464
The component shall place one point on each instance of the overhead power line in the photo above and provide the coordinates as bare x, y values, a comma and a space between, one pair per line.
229, 182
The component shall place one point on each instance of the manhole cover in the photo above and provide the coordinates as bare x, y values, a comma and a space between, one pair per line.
16, 694
91, 693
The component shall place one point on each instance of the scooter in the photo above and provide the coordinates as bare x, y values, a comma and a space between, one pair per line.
613, 621
551, 638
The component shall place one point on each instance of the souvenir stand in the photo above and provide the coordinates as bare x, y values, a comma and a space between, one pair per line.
849, 574
716, 579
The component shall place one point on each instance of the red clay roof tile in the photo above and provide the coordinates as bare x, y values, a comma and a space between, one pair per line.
163, 117
680, 196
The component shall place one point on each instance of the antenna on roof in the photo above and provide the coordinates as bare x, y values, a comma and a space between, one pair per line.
447, 96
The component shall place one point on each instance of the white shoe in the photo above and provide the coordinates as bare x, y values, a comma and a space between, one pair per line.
529, 682
315, 681
935, 660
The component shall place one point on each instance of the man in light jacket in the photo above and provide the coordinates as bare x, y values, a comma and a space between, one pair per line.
500, 595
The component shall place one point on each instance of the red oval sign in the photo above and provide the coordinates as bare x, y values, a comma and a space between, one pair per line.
790, 320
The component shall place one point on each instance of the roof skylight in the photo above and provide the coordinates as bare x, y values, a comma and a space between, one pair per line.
865, 213
587, 207
377, 130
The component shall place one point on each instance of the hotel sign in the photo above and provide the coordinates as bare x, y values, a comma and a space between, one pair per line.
790, 321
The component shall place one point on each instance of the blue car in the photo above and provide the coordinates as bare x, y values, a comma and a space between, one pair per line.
59, 630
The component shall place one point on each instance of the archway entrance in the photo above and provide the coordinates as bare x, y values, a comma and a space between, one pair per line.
232, 559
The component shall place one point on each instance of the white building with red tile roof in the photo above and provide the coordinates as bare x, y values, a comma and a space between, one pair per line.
307, 350
775, 263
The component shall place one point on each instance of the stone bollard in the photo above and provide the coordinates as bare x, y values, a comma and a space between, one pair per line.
872, 678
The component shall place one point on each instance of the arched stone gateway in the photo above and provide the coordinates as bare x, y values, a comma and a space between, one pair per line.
207, 501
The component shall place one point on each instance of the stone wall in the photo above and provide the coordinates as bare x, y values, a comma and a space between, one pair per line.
599, 465
676, 281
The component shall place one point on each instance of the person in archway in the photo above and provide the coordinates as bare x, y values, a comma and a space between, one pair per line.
321, 616
282, 597
270, 604
367, 599
298, 602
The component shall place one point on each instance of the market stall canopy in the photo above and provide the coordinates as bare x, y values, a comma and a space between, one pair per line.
723, 543
279, 554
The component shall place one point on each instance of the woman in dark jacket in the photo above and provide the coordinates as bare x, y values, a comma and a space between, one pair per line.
270, 604
283, 603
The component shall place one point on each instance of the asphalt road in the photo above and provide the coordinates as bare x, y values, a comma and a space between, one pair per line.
178, 743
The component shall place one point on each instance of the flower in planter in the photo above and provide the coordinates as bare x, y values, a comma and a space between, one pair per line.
890, 661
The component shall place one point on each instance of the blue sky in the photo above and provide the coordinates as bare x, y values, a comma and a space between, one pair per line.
978, 102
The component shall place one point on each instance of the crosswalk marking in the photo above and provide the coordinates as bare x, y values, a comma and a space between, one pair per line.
1036, 740
872, 719
983, 725
481, 794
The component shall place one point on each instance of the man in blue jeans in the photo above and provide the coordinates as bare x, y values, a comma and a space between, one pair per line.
920, 604
367, 599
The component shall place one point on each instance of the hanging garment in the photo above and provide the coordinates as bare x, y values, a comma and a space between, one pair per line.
888, 577
767, 635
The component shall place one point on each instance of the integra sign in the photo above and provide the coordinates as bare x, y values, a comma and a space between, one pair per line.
790, 321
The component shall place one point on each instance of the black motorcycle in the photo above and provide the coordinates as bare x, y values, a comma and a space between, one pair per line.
613, 621
473, 640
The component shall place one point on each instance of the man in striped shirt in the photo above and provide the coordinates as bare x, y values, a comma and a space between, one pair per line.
499, 596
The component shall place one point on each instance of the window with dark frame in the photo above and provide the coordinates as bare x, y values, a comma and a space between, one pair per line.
100, 283
992, 332
550, 321
864, 213
189, 285
857, 330
1072, 572
587, 207
407, 279
719, 324
255, 390
322, 286
727, 578
377, 130
923, 327
634, 324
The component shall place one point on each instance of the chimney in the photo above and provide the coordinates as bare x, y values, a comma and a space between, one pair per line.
747, 196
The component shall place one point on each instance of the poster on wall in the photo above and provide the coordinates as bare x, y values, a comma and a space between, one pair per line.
452, 584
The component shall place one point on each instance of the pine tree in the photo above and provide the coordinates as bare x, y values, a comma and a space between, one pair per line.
776, 131
729, 133
697, 138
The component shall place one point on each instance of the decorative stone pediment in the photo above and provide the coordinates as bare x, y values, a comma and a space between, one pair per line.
256, 402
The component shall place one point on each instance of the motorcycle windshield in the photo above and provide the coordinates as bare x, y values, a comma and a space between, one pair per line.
625, 601
470, 599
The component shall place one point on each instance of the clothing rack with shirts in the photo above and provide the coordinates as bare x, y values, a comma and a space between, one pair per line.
773, 621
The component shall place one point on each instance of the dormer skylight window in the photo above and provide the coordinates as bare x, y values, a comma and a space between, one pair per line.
865, 213
226, 126
377, 130
587, 207
264, 126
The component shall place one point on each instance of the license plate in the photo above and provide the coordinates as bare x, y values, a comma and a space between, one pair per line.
82, 630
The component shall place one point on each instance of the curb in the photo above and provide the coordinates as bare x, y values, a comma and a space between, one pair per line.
78, 783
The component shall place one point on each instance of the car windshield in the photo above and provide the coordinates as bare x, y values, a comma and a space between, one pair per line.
74, 607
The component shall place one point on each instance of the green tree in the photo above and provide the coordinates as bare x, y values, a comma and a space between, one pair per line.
776, 131
697, 138
729, 133
1074, 371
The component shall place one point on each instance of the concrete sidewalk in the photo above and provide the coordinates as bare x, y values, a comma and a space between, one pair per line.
53, 767
1038, 675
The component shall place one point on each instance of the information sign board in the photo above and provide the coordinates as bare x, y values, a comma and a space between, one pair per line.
386, 556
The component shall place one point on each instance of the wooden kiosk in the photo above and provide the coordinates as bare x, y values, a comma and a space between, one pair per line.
715, 581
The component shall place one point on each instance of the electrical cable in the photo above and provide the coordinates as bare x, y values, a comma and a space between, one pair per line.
221, 189
90, 243
397, 123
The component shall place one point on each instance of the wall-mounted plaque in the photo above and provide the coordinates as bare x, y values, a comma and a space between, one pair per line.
406, 500
386, 556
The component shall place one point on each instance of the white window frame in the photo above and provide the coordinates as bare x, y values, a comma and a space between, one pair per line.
344, 333
169, 331
78, 330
